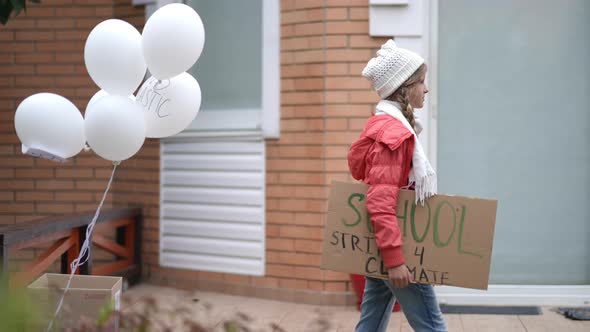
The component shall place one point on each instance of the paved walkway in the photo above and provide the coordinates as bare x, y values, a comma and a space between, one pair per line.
211, 309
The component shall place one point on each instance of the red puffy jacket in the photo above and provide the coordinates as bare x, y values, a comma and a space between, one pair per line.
382, 158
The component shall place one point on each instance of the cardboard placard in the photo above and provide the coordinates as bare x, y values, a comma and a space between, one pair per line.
86, 297
446, 242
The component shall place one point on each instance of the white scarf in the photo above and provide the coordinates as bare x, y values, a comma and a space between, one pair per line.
421, 174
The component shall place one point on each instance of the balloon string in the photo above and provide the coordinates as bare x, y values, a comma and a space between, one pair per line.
84, 254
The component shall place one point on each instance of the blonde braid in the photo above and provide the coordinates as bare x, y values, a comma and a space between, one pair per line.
401, 95
407, 109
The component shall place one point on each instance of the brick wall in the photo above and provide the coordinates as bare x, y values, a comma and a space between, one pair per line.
324, 104
43, 51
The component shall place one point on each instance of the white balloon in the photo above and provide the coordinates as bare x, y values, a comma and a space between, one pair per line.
173, 39
115, 128
170, 105
98, 95
51, 123
114, 58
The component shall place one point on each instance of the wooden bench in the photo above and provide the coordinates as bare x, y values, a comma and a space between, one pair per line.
66, 235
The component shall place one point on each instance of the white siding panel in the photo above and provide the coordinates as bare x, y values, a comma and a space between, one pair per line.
214, 161
212, 209
212, 229
213, 263
217, 247
245, 214
213, 179
213, 195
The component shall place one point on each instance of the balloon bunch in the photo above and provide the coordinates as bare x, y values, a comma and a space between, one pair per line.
115, 122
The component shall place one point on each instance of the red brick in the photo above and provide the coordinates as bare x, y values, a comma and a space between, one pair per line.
6, 59
34, 196
302, 70
17, 70
335, 14
299, 125
73, 81
310, 246
303, 16
308, 84
367, 96
54, 184
348, 55
74, 197
337, 151
309, 273
55, 23
15, 162
277, 270
35, 173
293, 284
336, 41
77, 173
300, 178
6, 196
6, 173
76, 12
61, 46
279, 244
37, 58
301, 232
365, 41
16, 207
357, 124
336, 124
40, 10
300, 259
347, 27
347, 3
71, 35
361, 14
69, 58
302, 4
316, 285
21, 23
288, 151
35, 35
312, 56
336, 69
55, 69
302, 98
265, 282
19, 47
6, 36
33, 81
333, 165
349, 110
55, 208
309, 29
335, 286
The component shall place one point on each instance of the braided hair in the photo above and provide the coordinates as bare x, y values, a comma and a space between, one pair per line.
402, 95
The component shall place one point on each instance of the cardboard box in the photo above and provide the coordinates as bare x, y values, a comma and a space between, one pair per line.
446, 242
86, 297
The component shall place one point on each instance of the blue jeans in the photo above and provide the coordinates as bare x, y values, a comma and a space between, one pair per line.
418, 303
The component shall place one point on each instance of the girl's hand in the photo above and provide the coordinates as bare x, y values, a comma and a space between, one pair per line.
400, 276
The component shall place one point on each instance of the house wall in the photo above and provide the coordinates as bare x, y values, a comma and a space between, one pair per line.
324, 104
42, 50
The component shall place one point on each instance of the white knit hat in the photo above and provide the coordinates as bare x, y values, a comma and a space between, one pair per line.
391, 68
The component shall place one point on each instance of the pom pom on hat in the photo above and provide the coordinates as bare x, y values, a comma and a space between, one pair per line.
391, 68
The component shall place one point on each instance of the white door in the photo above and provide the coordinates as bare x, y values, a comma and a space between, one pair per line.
514, 124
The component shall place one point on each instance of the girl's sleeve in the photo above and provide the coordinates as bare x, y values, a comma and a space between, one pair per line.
389, 169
